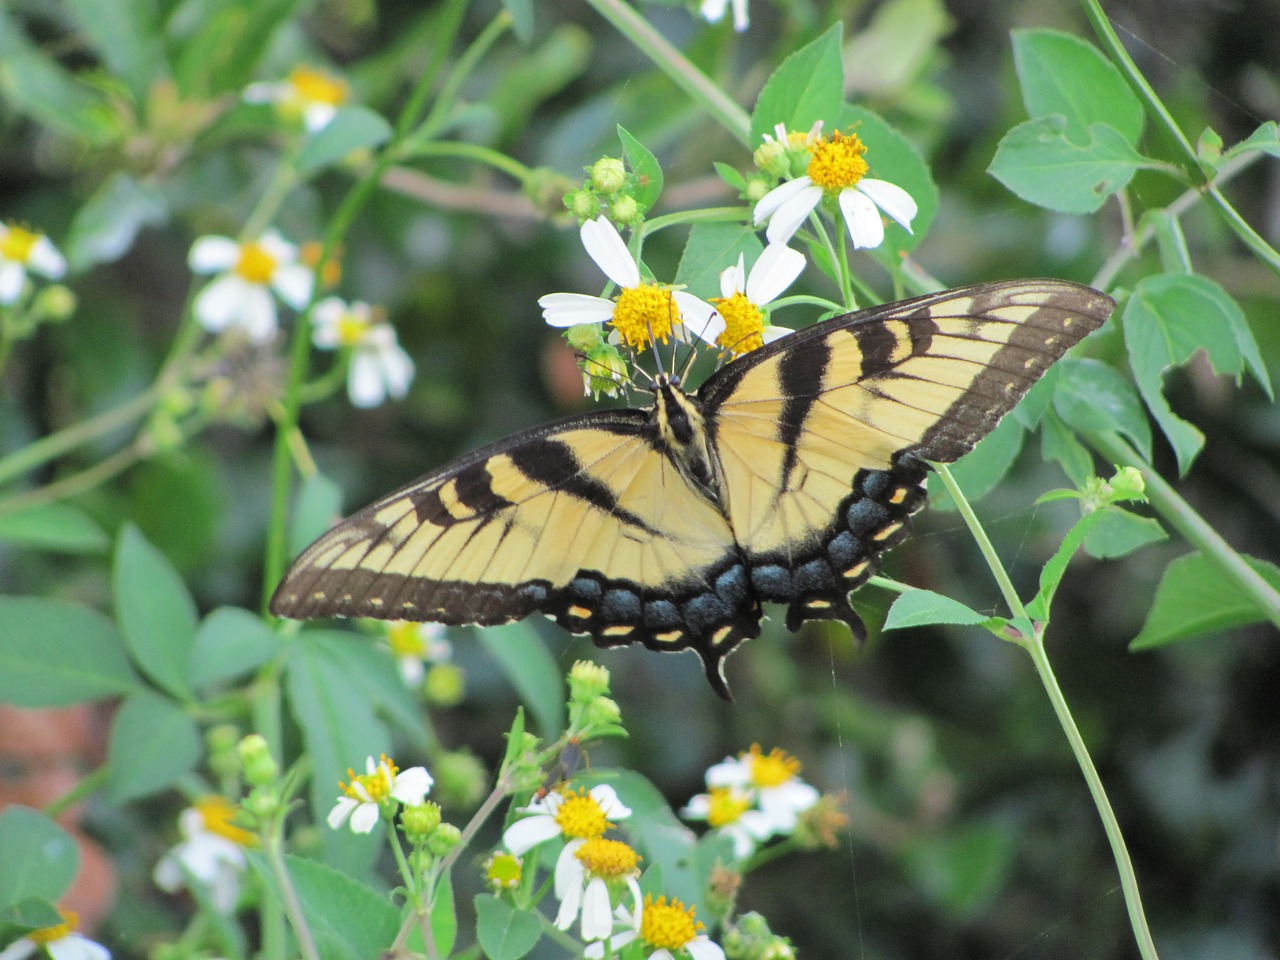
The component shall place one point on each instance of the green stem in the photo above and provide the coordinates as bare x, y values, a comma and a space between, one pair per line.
706, 215
87, 784
473, 151
453, 84
1193, 527
77, 483
677, 66
288, 895
450, 21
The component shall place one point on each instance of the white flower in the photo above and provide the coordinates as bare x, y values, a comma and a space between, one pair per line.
672, 924
739, 321
23, 250
570, 814
728, 809
306, 93
581, 884
713, 10
414, 645
642, 312
773, 779
379, 366
212, 852
241, 295
62, 943
363, 797
836, 167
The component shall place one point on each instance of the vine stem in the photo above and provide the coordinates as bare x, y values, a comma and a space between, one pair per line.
1033, 642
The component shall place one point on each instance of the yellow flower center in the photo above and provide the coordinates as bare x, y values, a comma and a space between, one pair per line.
580, 816
667, 926
773, 769
404, 637
743, 324
837, 161
316, 87
645, 312
255, 264
726, 806
70, 920
503, 871
377, 784
217, 814
17, 244
609, 859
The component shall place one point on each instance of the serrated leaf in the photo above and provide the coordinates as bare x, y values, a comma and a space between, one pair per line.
348, 920
155, 611
644, 167
153, 743
230, 642
1038, 162
1121, 532
1061, 74
353, 128
1057, 442
1195, 597
56, 527
522, 656
1266, 138
40, 858
730, 175
1052, 572
1093, 397
979, 470
54, 653
504, 932
710, 249
917, 608
807, 86
106, 224
1167, 319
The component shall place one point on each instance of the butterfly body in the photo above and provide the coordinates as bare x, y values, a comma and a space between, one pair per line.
782, 480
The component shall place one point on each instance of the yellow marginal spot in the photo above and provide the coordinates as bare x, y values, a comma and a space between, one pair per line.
375, 601
671, 636
582, 613
408, 606
448, 494
886, 532
618, 630
817, 604
318, 595
898, 496
857, 569
720, 635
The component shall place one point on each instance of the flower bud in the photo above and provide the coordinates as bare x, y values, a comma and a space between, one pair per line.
583, 204
419, 820
608, 175
625, 211
445, 685
443, 839
587, 680
461, 779
260, 767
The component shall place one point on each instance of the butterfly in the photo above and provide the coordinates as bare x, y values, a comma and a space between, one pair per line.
782, 479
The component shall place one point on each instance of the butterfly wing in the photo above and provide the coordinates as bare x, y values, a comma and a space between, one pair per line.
585, 520
823, 436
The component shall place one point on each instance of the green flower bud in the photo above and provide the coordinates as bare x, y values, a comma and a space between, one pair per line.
262, 804
420, 820
757, 187
443, 839
771, 158
608, 175
54, 304
583, 204
601, 712
587, 680
503, 871
445, 685
260, 767
625, 211
461, 779
605, 371
1129, 482
222, 741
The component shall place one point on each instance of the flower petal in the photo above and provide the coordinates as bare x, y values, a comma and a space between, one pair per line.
525, 834
343, 809
732, 279
741, 20
571, 309
220, 303
75, 946
773, 332
699, 317
364, 818
774, 271
45, 259
12, 276
786, 221
892, 199
412, 786
211, 254
703, 947
257, 314
729, 772
607, 797
597, 912
862, 217
571, 901
569, 870
605, 246
779, 195
293, 283
317, 116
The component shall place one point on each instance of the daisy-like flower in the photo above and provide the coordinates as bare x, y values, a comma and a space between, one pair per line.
836, 169
211, 851
572, 814
61, 942
731, 810
641, 312
665, 928
503, 870
739, 322
774, 780
306, 94
379, 366
382, 782
23, 250
713, 11
240, 296
582, 884
414, 645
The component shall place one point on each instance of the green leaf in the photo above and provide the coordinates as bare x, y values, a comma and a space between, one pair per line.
1093, 397
353, 128
153, 743
230, 642
156, 613
1120, 532
1058, 442
106, 224
644, 167
916, 608
373, 676
1041, 165
349, 920
54, 653
504, 932
897, 45
40, 858
1266, 138
979, 470
711, 248
731, 175
522, 655
1167, 319
1062, 74
126, 36
891, 157
1195, 597
339, 730
319, 504
1052, 572
224, 51
444, 917
56, 527
808, 86
33, 913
